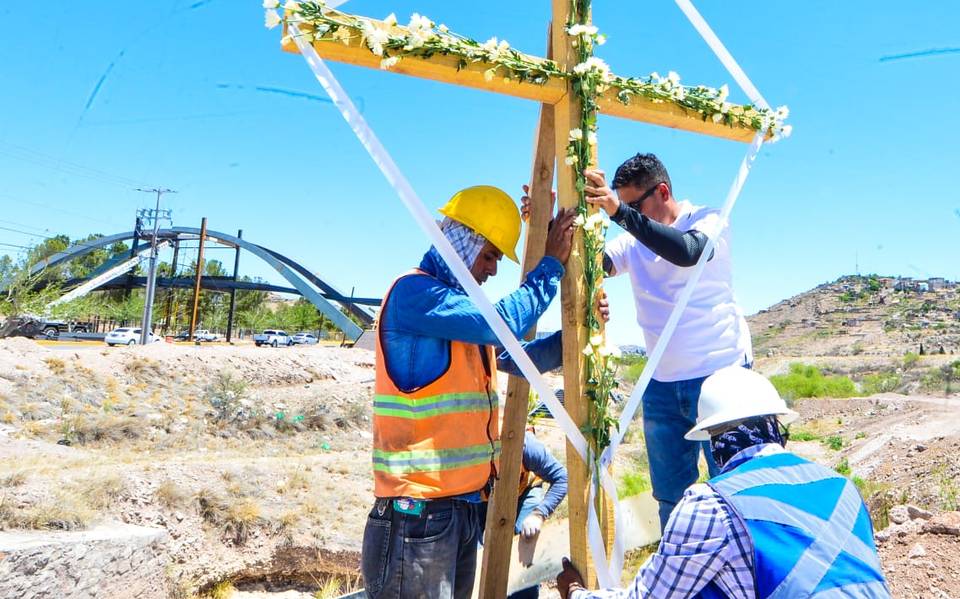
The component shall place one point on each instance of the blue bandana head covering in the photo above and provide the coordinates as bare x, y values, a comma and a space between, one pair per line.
752, 431
464, 240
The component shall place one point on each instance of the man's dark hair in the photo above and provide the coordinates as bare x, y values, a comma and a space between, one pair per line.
641, 171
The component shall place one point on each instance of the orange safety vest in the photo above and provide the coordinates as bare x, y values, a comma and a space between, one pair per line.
442, 439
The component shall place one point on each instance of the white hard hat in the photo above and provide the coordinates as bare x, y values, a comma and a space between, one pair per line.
733, 394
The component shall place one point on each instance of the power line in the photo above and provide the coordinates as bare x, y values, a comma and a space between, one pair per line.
70, 168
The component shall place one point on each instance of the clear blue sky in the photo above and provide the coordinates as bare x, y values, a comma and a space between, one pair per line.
98, 98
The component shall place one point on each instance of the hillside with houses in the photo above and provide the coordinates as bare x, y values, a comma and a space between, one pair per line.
863, 315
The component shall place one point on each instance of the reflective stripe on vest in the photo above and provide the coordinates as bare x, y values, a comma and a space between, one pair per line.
811, 532
442, 439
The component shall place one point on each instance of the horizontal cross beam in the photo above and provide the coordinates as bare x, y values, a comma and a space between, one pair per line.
449, 68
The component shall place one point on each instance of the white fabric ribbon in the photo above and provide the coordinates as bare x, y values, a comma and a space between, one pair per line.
706, 32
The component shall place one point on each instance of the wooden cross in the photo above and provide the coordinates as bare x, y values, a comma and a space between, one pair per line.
559, 114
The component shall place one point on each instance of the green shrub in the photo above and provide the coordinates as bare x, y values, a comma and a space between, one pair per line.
803, 436
843, 468
807, 381
834, 442
882, 382
633, 483
631, 365
910, 360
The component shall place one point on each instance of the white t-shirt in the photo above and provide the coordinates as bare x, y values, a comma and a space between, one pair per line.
712, 332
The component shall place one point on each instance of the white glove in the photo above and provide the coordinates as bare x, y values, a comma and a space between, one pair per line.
530, 527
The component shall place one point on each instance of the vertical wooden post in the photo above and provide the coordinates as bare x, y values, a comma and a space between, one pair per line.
574, 303
502, 511
197, 279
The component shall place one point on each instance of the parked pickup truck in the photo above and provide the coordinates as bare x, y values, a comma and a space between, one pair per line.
272, 338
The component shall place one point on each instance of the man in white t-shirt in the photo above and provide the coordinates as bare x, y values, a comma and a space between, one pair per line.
664, 238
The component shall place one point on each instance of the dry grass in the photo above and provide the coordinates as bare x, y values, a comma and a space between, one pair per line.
99, 492
170, 495
106, 428
56, 365
234, 517
222, 590
334, 586
62, 511
13, 479
296, 480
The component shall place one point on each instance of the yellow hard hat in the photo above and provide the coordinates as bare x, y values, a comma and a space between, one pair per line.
490, 212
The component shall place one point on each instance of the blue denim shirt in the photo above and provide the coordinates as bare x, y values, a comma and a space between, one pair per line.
538, 459
424, 313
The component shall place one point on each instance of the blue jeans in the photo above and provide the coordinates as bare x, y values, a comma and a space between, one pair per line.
669, 411
430, 555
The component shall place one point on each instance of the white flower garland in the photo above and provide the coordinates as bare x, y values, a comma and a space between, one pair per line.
423, 37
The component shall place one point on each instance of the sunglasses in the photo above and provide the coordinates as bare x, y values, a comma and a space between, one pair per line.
636, 203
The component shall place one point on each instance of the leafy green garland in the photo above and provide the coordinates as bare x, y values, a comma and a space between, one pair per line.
589, 80
422, 38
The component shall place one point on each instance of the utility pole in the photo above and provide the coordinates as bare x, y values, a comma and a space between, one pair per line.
198, 279
155, 215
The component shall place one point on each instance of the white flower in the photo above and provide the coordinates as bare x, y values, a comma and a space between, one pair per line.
596, 340
576, 135
610, 350
673, 78
391, 20
786, 130
588, 350
596, 221
723, 92
579, 29
604, 351
271, 19
490, 45
489, 74
292, 5
594, 64
375, 37
717, 117
655, 77
443, 28
418, 22
592, 138
782, 113
271, 3
579, 221
386, 63
725, 107
570, 160
601, 39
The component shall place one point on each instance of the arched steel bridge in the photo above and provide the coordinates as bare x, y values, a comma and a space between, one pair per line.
305, 283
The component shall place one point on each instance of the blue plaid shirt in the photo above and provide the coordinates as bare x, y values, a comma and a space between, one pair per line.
705, 541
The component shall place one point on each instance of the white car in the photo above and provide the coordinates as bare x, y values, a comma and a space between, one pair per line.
127, 336
304, 338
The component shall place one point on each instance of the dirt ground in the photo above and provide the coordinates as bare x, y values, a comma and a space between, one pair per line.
256, 460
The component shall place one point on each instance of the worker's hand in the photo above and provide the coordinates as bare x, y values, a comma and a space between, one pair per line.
530, 527
525, 202
568, 580
603, 306
560, 235
598, 193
